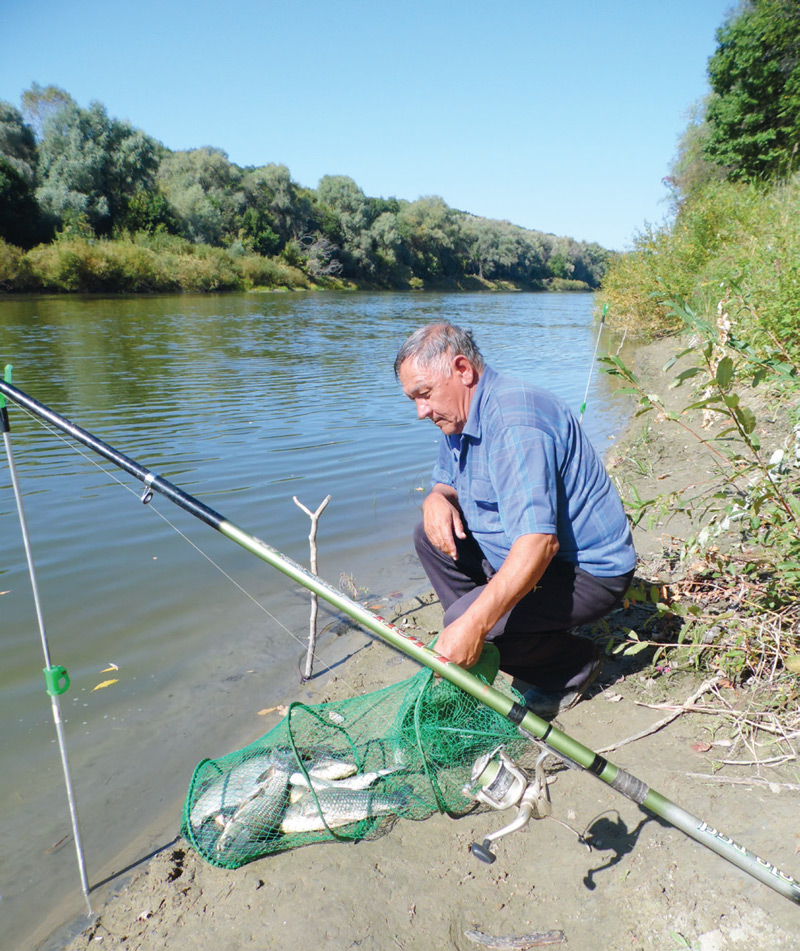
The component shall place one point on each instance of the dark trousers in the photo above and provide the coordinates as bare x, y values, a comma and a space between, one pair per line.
533, 637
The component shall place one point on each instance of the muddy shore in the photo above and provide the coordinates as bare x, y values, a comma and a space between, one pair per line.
633, 883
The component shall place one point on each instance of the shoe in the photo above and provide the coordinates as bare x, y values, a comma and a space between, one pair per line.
549, 703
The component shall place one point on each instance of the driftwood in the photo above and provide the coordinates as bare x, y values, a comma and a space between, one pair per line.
312, 626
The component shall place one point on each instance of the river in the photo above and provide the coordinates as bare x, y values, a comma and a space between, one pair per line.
243, 401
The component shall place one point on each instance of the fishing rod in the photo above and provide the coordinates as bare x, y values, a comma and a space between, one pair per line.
532, 726
594, 357
56, 677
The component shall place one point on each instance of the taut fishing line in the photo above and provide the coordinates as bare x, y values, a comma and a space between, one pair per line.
114, 478
277, 792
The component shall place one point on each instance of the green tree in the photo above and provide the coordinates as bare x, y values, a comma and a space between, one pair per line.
753, 114
277, 202
204, 190
91, 164
433, 238
39, 103
19, 212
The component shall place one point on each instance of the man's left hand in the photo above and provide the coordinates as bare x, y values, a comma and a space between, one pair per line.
460, 642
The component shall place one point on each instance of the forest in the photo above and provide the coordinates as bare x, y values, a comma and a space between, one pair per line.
90, 203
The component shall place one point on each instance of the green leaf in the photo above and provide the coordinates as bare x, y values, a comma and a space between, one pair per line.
746, 417
792, 663
725, 372
685, 375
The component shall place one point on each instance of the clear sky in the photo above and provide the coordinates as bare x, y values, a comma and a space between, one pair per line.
558, 115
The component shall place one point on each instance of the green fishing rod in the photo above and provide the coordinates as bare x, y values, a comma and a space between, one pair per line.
532, 726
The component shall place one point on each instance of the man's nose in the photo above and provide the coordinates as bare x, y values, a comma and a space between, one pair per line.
423, 409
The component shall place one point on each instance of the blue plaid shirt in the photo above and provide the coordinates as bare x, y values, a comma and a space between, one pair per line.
523, 465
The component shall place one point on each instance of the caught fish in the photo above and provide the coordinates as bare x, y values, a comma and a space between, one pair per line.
338, 807
354, 782
226, 793
258, 815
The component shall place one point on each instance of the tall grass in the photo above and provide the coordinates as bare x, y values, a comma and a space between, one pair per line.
729, 240
138, 264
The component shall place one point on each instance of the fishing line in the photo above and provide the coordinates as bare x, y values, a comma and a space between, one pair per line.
539, 731
594, 358
114, 478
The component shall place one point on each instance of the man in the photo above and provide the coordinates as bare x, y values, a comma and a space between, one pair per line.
523, 534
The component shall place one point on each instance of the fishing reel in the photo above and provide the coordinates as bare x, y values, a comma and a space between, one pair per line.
498, 782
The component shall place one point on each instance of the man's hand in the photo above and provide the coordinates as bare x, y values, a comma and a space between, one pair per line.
460, 642
442, 520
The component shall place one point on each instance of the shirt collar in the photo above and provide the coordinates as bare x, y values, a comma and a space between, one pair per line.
472, 427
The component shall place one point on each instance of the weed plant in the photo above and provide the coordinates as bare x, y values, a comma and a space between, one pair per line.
734, 606
726, 235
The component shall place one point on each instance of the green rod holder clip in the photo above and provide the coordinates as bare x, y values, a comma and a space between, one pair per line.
57, 680
6, 379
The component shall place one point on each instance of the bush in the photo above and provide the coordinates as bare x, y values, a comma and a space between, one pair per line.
726, 239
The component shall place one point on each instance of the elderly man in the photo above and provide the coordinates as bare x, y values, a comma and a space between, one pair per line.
523, 534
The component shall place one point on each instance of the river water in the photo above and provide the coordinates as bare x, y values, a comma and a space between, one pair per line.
243, 401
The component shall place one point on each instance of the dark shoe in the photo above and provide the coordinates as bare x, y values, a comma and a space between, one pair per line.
547, 703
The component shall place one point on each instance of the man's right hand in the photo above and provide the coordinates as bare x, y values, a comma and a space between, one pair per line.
442, 520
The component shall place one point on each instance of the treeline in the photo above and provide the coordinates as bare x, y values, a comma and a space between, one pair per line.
732, 246
88, 202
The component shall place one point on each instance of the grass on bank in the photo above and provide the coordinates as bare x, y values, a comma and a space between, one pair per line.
140, 264
734, 240
163, 263
724, 278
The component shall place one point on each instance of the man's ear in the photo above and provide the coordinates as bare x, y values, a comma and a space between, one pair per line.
464, 369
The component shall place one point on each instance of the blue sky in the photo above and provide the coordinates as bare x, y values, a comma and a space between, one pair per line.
558, 115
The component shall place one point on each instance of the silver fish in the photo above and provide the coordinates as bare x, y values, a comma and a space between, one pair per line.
339, 808
230, 790
258, 815
226, 793
357, 781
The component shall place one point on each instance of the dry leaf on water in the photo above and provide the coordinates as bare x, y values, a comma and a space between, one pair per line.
105, 683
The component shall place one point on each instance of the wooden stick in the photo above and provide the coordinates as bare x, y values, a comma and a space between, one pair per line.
312, 625
686, 706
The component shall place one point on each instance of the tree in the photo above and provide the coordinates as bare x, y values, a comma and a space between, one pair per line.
19, 213
92, 165
204, 190
275, 204
753, 114
433, 238
39, 103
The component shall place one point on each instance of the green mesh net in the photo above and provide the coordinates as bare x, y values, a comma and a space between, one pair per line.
347, 769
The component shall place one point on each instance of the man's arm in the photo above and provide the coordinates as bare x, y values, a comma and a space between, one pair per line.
441, 516
462, 641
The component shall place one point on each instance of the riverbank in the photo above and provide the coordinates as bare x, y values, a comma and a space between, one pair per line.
643, 885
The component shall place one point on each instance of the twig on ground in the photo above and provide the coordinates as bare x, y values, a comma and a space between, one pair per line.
684, 708
753, 781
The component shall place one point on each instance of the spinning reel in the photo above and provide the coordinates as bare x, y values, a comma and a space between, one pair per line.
498, 782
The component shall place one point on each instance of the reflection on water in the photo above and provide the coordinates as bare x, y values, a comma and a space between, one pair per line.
243, 401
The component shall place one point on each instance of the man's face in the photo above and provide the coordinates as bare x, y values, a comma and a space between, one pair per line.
443, 399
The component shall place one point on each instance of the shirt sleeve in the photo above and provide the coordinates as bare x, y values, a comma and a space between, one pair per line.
444, 470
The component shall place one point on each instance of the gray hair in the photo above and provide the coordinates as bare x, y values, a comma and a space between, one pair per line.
434, 345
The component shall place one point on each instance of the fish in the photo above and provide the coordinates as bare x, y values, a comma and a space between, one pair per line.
353, 782
228, 791
258, 815
338, 807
